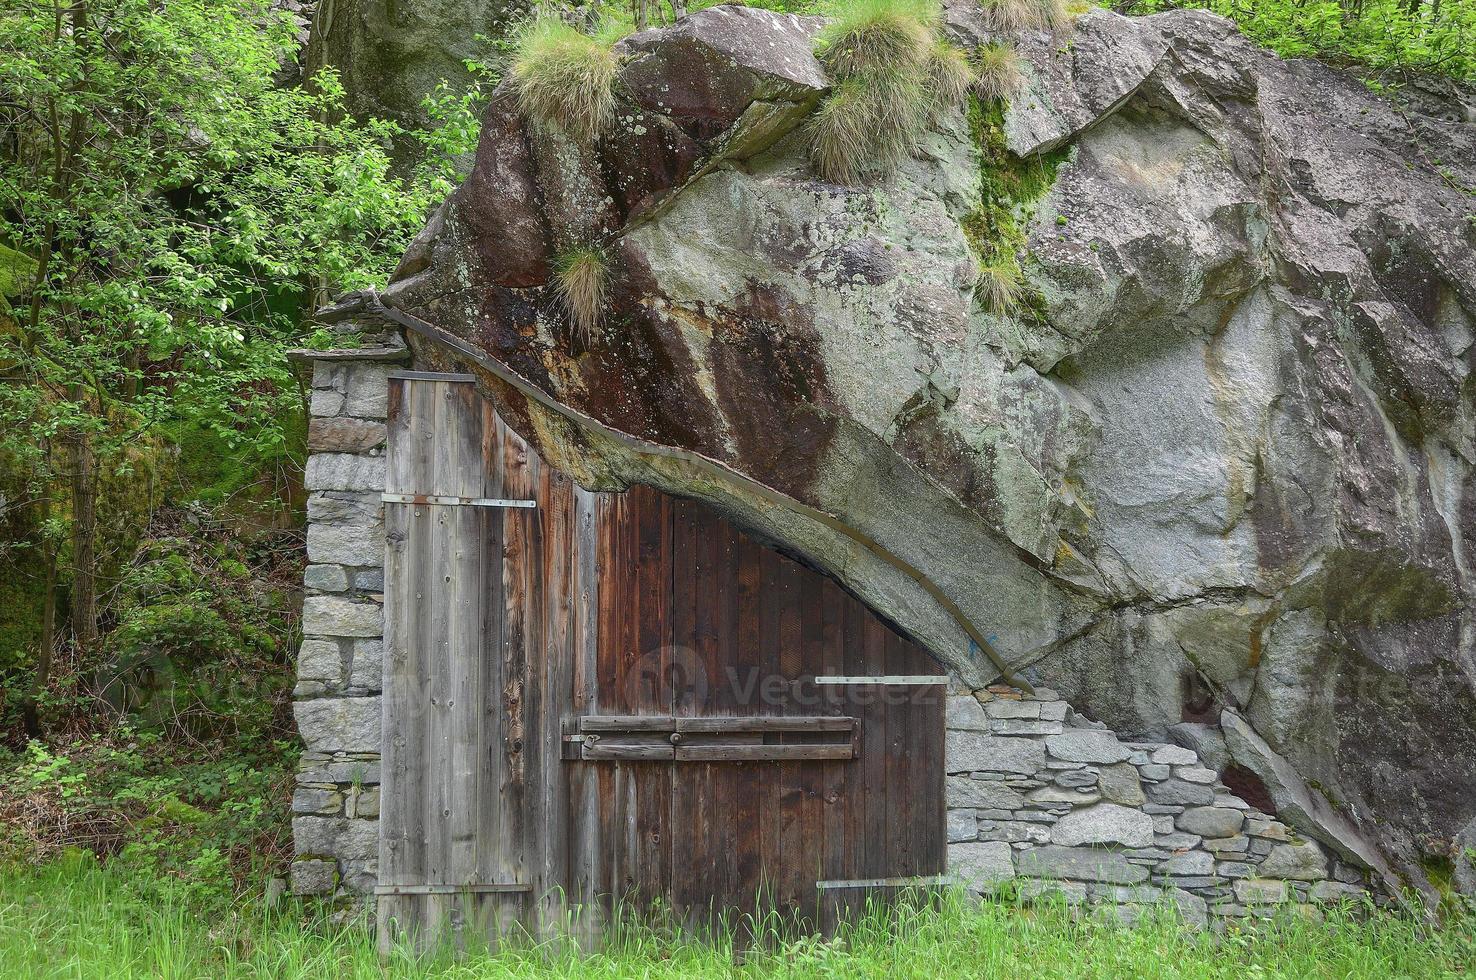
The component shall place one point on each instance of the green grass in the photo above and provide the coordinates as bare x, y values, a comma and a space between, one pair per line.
1016, 15
999, 285
999, 71
892, 75
83, 922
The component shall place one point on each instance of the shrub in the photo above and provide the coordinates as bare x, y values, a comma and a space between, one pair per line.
998, 74
1388, 36
565, 79
1000, 285
1016, 15
892, 75
582, 278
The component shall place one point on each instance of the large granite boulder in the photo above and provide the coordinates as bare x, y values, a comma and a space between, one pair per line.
1222, 462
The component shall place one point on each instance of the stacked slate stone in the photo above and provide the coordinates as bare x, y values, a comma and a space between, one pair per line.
1060, 806
336, 804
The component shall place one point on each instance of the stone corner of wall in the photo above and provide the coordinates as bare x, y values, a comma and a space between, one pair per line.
1057, 805
335, 805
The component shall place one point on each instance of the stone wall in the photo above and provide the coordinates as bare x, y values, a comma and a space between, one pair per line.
1057, 804
335, 807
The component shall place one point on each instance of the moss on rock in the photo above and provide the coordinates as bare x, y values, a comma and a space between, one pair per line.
1010, 188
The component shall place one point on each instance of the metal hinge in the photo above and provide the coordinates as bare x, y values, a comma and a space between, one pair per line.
444, 501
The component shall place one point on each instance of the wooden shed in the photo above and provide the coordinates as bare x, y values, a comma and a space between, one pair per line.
596, 701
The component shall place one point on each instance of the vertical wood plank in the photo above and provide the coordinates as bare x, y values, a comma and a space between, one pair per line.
584, 876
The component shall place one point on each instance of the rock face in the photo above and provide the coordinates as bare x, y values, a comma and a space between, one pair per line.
1224, 463
391, 54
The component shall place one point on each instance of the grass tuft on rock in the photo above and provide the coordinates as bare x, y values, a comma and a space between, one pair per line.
949, 74
998, 72
1000, 285
868, 125
865, 35
1018, 15
582, 279
892, 75
565, 79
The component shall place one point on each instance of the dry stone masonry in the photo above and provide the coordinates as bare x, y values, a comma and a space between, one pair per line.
335, 806
1060, 806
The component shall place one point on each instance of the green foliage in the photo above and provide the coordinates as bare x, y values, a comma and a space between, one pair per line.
74, 918
167, 211
565, 78
892, 75
1388, 36
582, 279
190, 823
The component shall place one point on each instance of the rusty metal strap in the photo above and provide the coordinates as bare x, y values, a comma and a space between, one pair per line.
482, 888
440, 500
922, 881
711, 466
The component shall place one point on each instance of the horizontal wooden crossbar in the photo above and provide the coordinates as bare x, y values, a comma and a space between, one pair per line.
428, 499
803, 752
743, 738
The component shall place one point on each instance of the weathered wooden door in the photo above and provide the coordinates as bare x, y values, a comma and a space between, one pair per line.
595, 700
451, 851
760, 740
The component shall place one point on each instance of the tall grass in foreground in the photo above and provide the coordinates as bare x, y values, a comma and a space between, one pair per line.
88, 923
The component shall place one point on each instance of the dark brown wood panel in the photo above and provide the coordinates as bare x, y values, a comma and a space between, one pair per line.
746, 630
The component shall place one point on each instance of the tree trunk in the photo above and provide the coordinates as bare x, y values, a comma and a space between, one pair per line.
84, 543
30, 712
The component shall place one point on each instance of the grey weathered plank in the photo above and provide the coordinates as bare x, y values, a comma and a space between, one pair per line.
583, 883
402, 837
